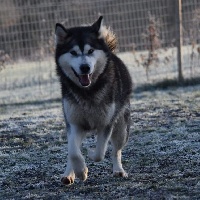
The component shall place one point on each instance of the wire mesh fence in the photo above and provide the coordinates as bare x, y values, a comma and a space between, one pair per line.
146, 31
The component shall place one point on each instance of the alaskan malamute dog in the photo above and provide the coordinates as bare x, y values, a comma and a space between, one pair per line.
96, 88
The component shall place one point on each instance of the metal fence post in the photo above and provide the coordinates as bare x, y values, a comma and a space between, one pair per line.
179, 37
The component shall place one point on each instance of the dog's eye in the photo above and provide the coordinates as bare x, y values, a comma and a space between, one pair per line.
90, 51
74, 53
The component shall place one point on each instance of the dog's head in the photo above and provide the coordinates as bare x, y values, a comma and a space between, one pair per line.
82, 52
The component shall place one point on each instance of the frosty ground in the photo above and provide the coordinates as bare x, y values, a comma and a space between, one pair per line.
162, 156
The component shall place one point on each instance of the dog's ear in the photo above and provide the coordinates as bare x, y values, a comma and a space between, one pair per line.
98, 24
60, 34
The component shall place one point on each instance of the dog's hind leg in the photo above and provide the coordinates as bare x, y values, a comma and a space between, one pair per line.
118, 139
76, 164
117, 144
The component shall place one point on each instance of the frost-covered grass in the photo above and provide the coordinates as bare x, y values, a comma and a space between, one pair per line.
162, 156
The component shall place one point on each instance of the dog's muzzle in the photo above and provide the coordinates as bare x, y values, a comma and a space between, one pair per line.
85, 77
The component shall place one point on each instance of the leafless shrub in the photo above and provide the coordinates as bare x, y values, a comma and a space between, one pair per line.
198, 50
192, 56
152, 39
194, 37
51, 44
4, 59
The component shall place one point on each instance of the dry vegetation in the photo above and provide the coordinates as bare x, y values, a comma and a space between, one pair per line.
193, 39
4, 59
152, 40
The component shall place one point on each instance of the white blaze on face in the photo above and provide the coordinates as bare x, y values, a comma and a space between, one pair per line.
93, 58
67, 60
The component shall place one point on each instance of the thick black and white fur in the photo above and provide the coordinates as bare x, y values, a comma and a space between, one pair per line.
96, 87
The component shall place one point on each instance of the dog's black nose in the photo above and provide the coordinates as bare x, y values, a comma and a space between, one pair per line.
85, 68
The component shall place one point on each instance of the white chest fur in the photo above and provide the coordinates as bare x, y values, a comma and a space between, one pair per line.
96, 117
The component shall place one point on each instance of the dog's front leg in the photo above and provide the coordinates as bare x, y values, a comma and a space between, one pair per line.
69, 176
76, 163
103, 137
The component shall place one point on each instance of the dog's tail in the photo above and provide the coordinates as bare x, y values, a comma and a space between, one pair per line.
109, 37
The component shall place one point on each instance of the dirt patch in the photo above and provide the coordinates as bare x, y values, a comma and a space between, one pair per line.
162, 156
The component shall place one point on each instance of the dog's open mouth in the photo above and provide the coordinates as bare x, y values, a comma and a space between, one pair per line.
84, 79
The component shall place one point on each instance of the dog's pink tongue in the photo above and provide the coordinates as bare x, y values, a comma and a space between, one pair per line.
84, 79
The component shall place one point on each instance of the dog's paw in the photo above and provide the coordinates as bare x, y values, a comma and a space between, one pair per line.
91, 154
83, 174
120, 174
67, 180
